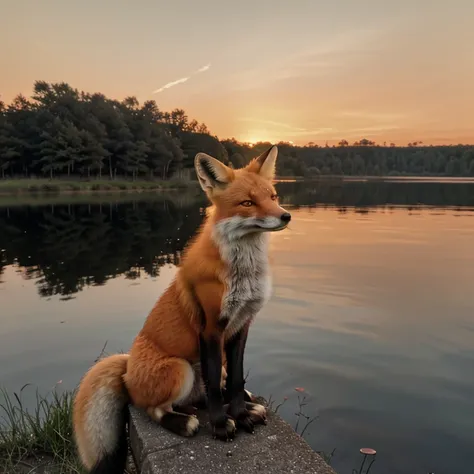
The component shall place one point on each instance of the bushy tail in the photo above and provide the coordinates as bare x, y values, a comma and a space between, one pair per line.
99, 416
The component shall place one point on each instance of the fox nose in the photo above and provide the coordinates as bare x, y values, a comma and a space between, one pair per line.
286, 217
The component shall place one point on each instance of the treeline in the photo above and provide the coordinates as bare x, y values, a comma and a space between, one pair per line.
362, 158
61, 131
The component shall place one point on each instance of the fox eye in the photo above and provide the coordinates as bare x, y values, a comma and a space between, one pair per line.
274, 197
246, 203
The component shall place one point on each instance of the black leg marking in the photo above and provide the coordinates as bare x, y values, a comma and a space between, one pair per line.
201, 403
223, 426
235, 382
245, 414
179, 423
185, 409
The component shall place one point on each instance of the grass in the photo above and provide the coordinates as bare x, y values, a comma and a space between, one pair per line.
40, 440
55, 186
44, 436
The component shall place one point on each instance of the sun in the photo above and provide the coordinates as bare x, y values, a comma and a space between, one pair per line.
253, 139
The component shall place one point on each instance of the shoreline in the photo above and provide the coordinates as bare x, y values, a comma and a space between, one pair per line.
179, 197
46, 187
41, 187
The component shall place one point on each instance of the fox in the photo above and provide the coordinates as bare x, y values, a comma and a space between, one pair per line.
190, 349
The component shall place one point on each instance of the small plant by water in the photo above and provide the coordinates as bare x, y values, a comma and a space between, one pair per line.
368, 453
303, 421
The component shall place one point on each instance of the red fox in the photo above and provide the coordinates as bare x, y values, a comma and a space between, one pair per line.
191, 347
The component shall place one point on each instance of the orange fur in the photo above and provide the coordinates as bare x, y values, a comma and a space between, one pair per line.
155, 372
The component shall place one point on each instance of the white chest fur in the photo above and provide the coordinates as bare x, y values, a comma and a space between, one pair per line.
248, 279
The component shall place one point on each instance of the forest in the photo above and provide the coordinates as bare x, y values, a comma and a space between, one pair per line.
60, 131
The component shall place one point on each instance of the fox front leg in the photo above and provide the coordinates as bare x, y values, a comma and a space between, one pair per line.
245, 413
223, 427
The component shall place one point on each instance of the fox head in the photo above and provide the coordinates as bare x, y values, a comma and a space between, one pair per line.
244, 199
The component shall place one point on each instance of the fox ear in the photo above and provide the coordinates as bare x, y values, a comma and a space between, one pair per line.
211, 173
265, 164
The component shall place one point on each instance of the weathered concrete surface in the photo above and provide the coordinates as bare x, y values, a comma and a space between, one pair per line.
274, 448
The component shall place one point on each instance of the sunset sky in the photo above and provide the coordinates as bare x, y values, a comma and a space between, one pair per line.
301, 70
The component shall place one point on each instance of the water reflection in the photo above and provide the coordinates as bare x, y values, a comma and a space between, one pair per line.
371, 311
363, 195
65, 247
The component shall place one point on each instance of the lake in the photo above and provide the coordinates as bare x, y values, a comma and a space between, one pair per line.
372, 312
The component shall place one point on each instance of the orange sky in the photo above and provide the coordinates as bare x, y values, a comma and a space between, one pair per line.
301, 71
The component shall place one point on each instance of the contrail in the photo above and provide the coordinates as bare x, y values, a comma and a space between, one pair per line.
271, 122
182, 80
171, 84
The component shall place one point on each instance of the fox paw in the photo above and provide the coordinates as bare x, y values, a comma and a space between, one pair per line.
224, 429
248, 396
257, 413
246, 418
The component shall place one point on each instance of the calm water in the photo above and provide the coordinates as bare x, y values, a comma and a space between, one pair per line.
372, 312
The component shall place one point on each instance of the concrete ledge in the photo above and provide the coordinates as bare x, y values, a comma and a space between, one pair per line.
274, 448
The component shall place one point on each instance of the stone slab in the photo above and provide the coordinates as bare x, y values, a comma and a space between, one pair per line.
274, 448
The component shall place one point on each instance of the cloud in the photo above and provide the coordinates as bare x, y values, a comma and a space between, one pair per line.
203, 69
314, 61
363, 114
271, 122
182, 80
283, 130
376, 128
317, 131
